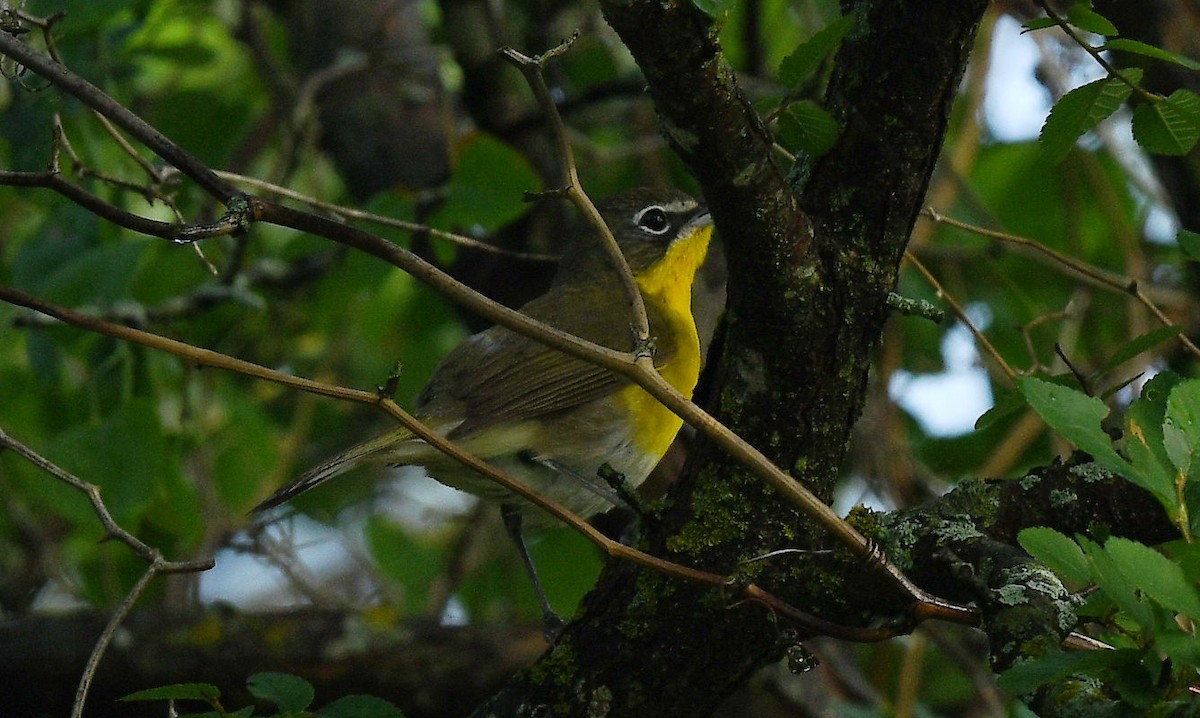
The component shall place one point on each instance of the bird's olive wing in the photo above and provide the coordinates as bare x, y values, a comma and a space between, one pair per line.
499, 376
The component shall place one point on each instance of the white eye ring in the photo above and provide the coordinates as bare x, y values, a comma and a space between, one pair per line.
653, 219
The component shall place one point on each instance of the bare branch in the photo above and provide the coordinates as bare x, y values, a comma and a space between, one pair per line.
933, 608
343, 212
158, 564
531, 68
1089, 273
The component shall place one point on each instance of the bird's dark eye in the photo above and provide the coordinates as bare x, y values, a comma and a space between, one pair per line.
653, 219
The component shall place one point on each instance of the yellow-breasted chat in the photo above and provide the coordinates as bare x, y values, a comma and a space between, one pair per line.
546, 418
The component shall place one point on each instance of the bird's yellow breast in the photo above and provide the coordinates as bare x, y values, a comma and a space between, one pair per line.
667, 286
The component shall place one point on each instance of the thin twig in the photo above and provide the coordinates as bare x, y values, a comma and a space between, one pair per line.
962, 316
1096, 54
532, 69
95, 98
56, 182
111, 528
158, 564
341, 211
106, 636
155, 175
1095, 275
615, 549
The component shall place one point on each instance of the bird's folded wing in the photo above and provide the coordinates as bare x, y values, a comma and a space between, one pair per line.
499, 376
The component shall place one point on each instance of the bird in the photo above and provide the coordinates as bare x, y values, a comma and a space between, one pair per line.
553, 421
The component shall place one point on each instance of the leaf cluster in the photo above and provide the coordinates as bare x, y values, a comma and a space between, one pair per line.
1144, 603
1161, 125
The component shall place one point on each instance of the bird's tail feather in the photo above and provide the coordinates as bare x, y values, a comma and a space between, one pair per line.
378, 448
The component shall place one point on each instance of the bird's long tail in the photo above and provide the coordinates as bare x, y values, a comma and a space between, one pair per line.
379, 448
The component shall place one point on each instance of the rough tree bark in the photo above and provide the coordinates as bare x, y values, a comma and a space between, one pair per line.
811, 259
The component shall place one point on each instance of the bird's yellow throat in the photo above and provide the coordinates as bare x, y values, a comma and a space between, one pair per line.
668, 286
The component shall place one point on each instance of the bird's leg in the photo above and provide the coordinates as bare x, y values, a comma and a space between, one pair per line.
552, 624
625, 491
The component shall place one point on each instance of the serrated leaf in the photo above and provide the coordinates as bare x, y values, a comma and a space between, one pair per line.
1168, 127
1157, 53
1151, 466
1158, 576
360, 706
807, 56
1183, 419
291, 694
809, 127
1082, 16
179, 692
1107, 574
1139, 344
1189, 242
1076, 417
1082, 109
1058, 552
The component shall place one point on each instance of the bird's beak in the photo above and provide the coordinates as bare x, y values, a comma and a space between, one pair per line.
700, 219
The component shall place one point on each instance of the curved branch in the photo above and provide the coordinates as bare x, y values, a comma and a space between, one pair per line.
158, 564
612, 548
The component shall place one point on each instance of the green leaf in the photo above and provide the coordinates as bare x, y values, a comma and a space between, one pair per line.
1168, 127
405, 558
1158, 53
1056, 551
807, 56
1158, 576
291, 694
1139, 344
1082, 109
1138, 678
1189, 242
488, 186
244, 452
1111, 579
1181, 425
1025, 677
1076, 417
809, 127
713, 8
360, 706
1082, 16
1038, 23
179, 692
128, 455
1005, 405
1151, 465
1180, 647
